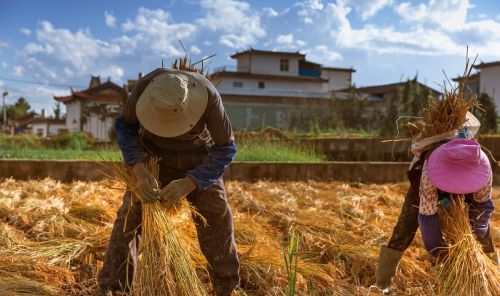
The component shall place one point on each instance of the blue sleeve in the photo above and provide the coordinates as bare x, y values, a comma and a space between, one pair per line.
214, 165
128, 140
480, 214
431, 233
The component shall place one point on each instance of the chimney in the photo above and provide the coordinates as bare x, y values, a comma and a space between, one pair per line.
140, 75
42, 114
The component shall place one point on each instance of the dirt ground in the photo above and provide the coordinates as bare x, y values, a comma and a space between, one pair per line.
53, 236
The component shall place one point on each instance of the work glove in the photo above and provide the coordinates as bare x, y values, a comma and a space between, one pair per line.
146, 183
176, 190
445, 203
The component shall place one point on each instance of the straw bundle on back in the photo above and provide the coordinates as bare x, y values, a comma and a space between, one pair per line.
465, 270
164, 265
441, 115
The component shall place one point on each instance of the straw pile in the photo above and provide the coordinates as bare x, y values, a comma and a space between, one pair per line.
441, 115
465, 269
164, 265
340, 228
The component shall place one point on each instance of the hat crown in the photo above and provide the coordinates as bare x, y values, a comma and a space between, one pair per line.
462, 152
169, 94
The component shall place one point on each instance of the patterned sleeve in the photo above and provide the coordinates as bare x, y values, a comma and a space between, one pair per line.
484, 193
428, 194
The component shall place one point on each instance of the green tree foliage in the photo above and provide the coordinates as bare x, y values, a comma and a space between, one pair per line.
408, 101
57, 111
487, 114
19, 109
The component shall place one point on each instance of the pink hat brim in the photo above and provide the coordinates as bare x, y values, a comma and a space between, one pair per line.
457, 178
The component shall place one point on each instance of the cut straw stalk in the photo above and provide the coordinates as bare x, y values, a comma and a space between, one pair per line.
164, 264
441, 115
465, 269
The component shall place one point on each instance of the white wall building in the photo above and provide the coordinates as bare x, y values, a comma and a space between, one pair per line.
278, 89
284, 74
95, 109
44, 127
489, 81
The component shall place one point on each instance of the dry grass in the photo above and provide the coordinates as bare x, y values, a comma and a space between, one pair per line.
441, 115
465, 269
340, 226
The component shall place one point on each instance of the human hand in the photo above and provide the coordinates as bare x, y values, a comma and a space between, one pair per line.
176, 190
145, 182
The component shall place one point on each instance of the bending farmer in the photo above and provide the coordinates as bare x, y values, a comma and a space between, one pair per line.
178, 117
428, 186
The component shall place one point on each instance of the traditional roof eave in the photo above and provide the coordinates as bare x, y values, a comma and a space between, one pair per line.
486, 65
352, 70
268, 52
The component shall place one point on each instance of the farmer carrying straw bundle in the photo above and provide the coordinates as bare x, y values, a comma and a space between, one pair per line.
446, 162
178, 117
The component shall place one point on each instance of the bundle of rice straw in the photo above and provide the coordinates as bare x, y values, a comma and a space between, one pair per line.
465, 269
164, 265
441, 115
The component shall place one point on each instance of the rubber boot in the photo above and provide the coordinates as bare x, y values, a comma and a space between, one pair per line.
387, 265
493, 256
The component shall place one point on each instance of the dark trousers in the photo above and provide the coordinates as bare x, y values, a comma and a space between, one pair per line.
216, 238
407, 225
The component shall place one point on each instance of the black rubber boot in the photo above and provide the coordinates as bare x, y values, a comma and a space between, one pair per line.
387, 265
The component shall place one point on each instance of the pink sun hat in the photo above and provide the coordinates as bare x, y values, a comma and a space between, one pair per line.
459, 167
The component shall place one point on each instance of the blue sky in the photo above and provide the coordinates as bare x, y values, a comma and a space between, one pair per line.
59, 43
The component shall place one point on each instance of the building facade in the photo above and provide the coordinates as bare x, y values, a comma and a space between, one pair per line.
46, 127
269, 88
94, 110
489, 80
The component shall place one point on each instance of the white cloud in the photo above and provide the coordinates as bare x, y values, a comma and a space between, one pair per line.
284, 39
68, 72
432, 28
316, 4
112, 71
321, 53
194, 49
269, 12
18, 70
79, 49
448, 14
4, 44
239, 24
287, 42
309, 8
154, 30
367, 8
109, 19
25, 31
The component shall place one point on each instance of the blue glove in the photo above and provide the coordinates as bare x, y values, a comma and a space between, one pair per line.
445, 203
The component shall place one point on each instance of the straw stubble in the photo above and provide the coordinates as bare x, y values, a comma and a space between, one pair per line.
465, 269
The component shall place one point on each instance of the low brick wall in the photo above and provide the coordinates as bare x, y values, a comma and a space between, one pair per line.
375, 149
366, 172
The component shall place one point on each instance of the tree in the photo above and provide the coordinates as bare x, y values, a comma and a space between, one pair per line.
19, 109
57, 111
409, 101
488, 115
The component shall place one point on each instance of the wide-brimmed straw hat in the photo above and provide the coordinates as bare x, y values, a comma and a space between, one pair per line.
172, 104
459, 167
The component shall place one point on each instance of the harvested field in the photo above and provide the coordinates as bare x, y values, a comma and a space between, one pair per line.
53, 236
